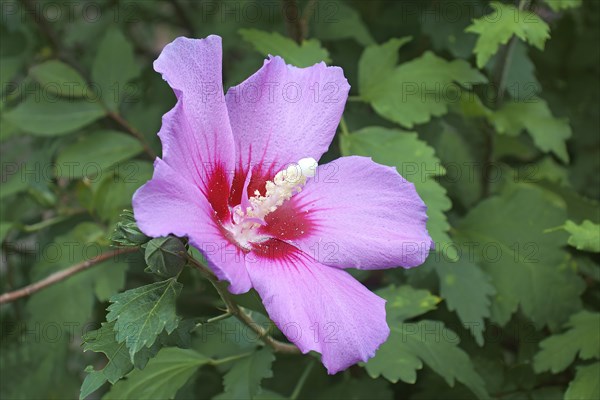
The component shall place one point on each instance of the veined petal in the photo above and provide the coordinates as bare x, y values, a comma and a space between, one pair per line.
317, 307
282, 114
360, 214
168, 204
196, 134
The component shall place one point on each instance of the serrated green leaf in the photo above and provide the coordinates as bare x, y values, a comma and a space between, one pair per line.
498, 27
59, 78
586, 385
409, 345
165, 256
95, 153
103, 340
505, 235
164, 375
92, 382
559, 5
548, 133
306, 54
141, 314
50, 118
412, 92
467, 290
559, 351
346, 23
405, 302
585, 236
242, 381
114, 66
357, 389
416, 162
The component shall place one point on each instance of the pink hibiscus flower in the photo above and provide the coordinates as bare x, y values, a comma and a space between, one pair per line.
239, 179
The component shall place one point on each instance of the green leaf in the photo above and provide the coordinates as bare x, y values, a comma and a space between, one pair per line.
505, 235
416, 162
585, 236
94, 153
498, 27
548, 133
345, 23
405, 302
242, 381
103, 341
559, 351
467, 290
114, 66
586, 385
559, 5
165, 256
116, 189
59, 78
413, 92
141, 314
306, 54
50, 118
409, 345
164, 375
92, 382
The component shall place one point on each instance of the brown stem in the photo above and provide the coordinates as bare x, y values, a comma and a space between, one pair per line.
235, 310
291, 15
60, 276
134, 132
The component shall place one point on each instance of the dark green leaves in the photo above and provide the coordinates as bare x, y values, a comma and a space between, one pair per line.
141, 314
412, 344
505, 234
304, 55
430, 342
549, 134
164, 375
415, 91
585, 236
559, 351
504, 22
43, 117
586, 385
242, 381
165, 256
61, 79
114, 66
95, 153
468, 291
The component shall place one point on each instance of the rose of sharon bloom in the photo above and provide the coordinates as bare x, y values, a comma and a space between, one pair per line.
239, 179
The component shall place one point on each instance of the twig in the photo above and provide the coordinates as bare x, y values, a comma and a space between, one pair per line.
60, 276
302, 380
134, 132
235, 310
291, 14
183, 17
501, 75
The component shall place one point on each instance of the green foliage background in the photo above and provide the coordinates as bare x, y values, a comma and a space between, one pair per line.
490, 108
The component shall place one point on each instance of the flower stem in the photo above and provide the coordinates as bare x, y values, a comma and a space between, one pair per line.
235, 310
344, 126
302, 380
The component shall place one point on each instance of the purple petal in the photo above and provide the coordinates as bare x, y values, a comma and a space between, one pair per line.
283, 113
318, 307
362, 215
196, 134
168, 204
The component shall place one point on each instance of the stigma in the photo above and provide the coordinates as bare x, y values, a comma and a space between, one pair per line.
250, 215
